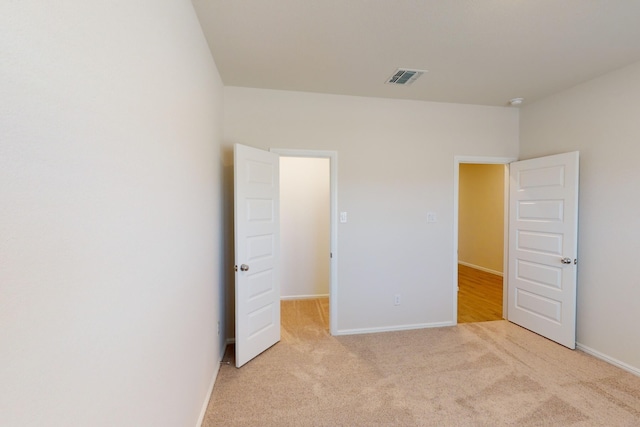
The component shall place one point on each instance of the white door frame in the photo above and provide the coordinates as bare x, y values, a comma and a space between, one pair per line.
333, 226
505, 261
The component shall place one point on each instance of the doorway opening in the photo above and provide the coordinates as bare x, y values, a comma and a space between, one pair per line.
308, 212
304, 242
480, 238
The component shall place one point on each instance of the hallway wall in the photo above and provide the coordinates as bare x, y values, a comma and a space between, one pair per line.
304, 227
481, 216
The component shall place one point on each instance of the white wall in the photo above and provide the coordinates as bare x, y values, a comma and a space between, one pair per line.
396, 162
600, 119
304, 227
110, 216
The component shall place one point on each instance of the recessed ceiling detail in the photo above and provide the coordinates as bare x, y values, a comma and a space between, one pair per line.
404, 77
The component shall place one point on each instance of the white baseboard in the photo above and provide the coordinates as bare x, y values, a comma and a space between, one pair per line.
393, 328
608, 359
294, 297
477, 267
203, 411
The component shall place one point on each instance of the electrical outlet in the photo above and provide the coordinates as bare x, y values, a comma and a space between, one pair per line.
432, 217
396, 299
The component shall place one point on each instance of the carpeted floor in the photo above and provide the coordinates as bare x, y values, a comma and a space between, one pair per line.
474, 374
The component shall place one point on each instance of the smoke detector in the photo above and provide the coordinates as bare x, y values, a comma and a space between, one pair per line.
516, 102
404, 76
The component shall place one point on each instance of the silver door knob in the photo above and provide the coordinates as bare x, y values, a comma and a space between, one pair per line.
566, 260
245, 267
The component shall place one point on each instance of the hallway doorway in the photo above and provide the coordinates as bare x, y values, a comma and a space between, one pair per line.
308, 184
480, 240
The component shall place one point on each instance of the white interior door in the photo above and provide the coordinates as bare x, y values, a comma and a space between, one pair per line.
257, 247
543, 231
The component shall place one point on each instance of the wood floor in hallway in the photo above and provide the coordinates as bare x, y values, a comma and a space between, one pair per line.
480, 295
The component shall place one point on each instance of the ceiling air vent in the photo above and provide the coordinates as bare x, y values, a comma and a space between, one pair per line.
405, 77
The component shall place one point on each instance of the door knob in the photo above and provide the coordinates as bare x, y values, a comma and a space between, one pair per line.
245, 267
566, 260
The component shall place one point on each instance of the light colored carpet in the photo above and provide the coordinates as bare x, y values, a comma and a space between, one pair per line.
474, 374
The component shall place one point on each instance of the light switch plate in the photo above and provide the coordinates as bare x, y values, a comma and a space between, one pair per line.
431, 217
343, 217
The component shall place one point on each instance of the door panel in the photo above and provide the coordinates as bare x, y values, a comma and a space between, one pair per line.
543, 225
257, 246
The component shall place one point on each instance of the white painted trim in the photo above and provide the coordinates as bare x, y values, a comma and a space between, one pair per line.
456, 184
477, 267
505, 255
333, 243
393, 328
480, 160
300, 297
608, 359
205, 404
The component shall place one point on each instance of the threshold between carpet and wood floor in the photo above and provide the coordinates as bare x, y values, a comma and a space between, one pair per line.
474, 374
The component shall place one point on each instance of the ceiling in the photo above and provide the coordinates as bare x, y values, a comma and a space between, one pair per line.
476, 51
